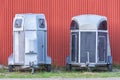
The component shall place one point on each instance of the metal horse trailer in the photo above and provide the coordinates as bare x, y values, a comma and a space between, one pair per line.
89, 42
29, 42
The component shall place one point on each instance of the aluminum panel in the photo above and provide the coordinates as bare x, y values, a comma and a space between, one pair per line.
102, 47
74, 46
18, 47
31, 42
88, 47
41, 46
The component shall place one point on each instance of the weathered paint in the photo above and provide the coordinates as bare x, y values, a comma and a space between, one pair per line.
58, 14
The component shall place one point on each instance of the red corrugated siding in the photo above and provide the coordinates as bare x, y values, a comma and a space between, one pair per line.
58, 14
114, 28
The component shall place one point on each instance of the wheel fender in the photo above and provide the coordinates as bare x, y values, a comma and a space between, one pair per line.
67, 59
109, 59
48, 60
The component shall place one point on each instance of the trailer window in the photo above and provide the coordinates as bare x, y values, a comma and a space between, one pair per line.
103, 25
74, 25
41, 23
18, 23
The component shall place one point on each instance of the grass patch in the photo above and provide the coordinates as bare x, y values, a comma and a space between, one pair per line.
116, 66
61, 74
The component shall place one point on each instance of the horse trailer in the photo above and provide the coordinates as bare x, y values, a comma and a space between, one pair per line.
89, 42
29, 42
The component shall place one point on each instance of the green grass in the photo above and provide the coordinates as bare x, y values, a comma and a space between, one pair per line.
116, 66
72, 74
60, 74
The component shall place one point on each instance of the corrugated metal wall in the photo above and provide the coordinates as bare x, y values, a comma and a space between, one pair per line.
58, 14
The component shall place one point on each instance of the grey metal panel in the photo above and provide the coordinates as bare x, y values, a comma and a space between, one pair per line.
74, 46
41, 46
30, 58
108, 46
102, 47
88, 47
31, 42
45, 44
18, 47
30, 22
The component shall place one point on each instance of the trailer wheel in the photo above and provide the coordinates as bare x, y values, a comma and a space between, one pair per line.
49, 68
109, 67
10, 67
68, 67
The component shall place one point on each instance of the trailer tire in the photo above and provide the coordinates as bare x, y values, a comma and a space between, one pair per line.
10, 67
49, 68
68, 67
109, 67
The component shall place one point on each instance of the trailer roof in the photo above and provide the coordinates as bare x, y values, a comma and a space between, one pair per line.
28, 14
89, 21
31, 21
